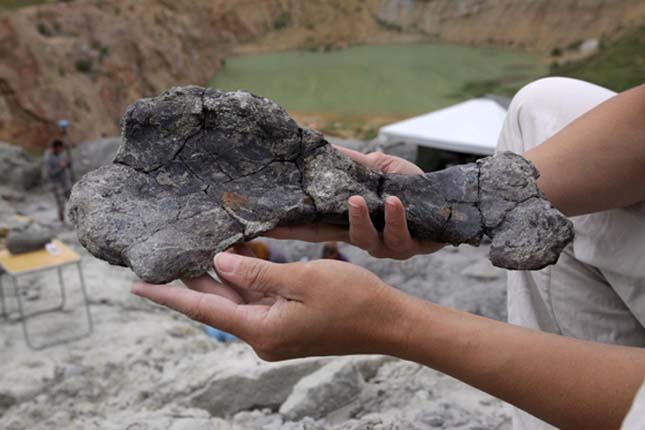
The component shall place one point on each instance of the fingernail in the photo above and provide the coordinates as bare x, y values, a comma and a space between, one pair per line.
135, 289
392, 201
352, 204
225, 262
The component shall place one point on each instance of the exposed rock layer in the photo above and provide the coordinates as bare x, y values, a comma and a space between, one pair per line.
534, 25
86, 60
201, 169
18, 169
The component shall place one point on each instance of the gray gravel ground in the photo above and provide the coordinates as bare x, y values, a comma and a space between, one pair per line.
146, 367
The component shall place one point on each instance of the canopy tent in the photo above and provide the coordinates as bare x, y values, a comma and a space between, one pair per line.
471, 127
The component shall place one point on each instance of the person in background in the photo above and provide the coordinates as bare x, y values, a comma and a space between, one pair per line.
57, 173
330, 251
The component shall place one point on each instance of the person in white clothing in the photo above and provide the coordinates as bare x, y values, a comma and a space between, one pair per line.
573, 354
596, 291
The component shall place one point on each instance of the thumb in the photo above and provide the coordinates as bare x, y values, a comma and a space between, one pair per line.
255, 274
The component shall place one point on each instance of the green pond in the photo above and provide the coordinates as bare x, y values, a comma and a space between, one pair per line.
385, 79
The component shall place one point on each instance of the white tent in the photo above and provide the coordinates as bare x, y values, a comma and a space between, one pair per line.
471, 127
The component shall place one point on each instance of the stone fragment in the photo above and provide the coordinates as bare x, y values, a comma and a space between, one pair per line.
201, 169
331, 387
242, 388
29, 238
18, 169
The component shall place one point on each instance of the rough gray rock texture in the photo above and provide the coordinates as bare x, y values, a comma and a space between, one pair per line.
31, 237
331, 387
245, 387
18, 169
201, 169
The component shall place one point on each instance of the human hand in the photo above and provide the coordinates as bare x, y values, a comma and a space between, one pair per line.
395, 240
284, 311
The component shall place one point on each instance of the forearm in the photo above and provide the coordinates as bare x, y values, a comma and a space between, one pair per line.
569, 383
598, 161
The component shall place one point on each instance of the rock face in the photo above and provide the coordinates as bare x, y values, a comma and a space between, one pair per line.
86, 60
528, 25
201, 169
331, 387
243, 388
17, 168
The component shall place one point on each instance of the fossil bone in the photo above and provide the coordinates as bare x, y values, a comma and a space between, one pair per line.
201, 169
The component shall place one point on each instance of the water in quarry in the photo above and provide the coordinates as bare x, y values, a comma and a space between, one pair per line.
380, 79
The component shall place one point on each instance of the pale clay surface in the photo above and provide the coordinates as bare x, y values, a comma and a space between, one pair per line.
146, 368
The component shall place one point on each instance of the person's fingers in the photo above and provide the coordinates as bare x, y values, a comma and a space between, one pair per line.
211, 309
382, 162
378, 161
206, 284
396, 234
247, 296
361, 230
391, 164
359, 157
316, 232
258, 275
428, 246
404, 167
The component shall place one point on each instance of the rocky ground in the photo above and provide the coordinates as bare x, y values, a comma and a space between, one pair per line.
145, 367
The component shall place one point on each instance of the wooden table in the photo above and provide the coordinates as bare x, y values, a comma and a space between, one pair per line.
56, 257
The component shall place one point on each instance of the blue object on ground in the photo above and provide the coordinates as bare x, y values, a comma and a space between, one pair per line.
220, 335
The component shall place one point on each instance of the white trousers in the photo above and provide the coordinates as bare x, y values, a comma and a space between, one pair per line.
596, 291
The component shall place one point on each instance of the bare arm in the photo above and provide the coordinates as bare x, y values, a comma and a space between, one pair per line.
328, 308
598, 161
569, 383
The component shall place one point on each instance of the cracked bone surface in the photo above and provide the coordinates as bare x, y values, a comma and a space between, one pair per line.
201, 169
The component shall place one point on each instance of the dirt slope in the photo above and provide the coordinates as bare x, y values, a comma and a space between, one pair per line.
535, 25
86, 60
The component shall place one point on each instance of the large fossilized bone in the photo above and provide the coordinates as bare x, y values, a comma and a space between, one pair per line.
201, 169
